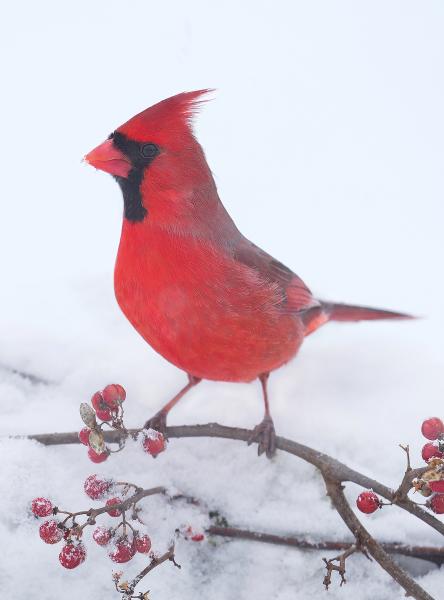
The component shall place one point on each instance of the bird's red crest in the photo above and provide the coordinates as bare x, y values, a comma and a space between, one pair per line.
167, 121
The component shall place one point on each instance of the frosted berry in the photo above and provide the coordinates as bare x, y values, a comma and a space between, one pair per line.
41, 507
153, 442
123, 551
197, 537
114, 512
96, 488
97, 401
432, 428
102, 410
97, 458
104, 415
368, 502
71, 556
113, 395
50, 533
84, 436
143, 544
437, 486
437, 504
430, 451
102, 535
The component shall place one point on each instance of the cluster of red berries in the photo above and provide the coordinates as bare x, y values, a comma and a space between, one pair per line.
107, 405
52, 531
123, 547
431, 483
433, 429
107, 409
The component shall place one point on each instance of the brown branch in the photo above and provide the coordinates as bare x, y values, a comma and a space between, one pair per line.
325, 463
122, 506
127, 588
340, 568
409, 475
430, 553
334, 473
366, 541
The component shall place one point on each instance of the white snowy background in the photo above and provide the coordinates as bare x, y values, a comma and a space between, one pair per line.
326, 140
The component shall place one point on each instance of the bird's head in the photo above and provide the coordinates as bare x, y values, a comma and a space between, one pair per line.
157, 161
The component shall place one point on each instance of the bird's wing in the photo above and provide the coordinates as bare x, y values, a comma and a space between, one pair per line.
295, 294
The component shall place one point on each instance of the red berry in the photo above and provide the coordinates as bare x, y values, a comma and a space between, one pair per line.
97, 458
429, 451
123, 551
198, 537
437, 504
102, 535
432, 428
368, 502
84, 436
437, 486
71, 556
102, 410
115, 512
97, 401
103, 414
153, 442
41, 507
50, 533
143, 544
96, 488
113, 395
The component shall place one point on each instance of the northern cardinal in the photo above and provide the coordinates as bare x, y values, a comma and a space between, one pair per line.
201, 294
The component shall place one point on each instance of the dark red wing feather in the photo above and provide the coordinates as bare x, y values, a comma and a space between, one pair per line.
296, 295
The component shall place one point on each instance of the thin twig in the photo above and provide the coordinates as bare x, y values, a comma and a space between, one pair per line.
430, 553
127, 589
124, 505
340, 567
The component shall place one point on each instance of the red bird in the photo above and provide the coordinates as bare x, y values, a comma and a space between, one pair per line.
200, 293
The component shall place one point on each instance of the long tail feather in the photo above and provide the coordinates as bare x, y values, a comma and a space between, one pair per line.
348, 312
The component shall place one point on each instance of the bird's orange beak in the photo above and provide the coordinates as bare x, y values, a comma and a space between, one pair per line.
110, 159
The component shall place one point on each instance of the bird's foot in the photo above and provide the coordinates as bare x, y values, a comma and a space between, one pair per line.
265, 436
158, 422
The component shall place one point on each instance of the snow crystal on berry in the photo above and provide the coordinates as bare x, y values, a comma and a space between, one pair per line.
102, 535
153, 442
50, 532
41, 507
97, 488
143, 544
71, 556
111, 502
122, 551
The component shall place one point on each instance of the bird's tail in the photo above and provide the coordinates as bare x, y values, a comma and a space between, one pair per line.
330, 311
348, 312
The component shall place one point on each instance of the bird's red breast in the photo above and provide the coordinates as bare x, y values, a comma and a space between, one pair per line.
205, 312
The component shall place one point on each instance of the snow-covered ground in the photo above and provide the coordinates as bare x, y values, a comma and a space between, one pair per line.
325, 138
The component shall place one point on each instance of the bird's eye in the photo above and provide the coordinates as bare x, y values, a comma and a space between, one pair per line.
111, 135
149, 150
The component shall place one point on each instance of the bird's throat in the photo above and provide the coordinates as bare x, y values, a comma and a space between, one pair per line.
134, 209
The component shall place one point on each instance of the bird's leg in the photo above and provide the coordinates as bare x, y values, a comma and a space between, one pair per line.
158, 422
264, 433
